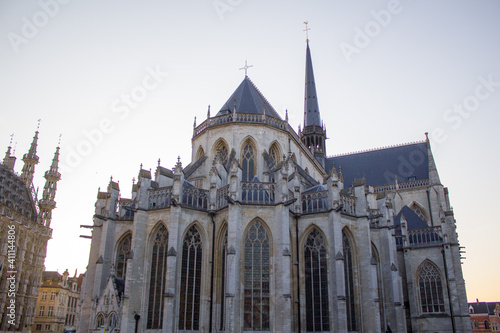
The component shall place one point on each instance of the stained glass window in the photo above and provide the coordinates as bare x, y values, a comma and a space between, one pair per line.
256, 279
431, 290
419, 211
274, 154
157, 279
121, 256
349, 282
248, 162
222, 152
316, 283
189, 310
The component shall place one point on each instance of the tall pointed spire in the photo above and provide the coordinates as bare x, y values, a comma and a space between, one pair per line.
314, 133
47, 203
30, 160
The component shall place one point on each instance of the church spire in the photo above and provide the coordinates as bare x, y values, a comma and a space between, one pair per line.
314, 133
47, 203
30, 160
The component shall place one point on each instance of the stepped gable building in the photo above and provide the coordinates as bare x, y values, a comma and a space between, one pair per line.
24, 233
263, 231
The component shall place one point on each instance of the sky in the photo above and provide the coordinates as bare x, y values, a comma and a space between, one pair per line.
122, 81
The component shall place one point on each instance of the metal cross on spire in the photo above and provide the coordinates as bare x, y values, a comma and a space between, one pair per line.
246, 67
307, 31
38, 126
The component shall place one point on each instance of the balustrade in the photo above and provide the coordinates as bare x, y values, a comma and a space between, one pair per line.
194, 197
160, 197
222, 194
257, 193
314, 202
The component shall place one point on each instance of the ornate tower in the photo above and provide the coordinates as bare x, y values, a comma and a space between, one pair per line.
47, 203
9, 160
313, 134
30, 160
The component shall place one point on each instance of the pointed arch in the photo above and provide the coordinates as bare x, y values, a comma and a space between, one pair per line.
221, 150
158, 270
199, 153
316, 281
349, 278
380, 289
190, 289
275, 152
248, 160
257, 279
123, 249
419, 210
430, 287
222, 273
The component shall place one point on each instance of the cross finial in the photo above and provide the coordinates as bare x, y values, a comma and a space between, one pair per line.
11, 138
246, 67
307, 31
38, 126
59, 142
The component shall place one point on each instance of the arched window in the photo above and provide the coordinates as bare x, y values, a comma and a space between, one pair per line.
121, 256
419, 211
200, 153
100, 321
157, 279
274, 153
486, 325
475, 325
431, 289
221, 151
256, 279
380, 294
316, 283
349, 282
189, 310
248, 161
222, 292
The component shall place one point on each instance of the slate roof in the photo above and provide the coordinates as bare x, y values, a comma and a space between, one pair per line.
380, 166
413, 221
248, 99
483, 307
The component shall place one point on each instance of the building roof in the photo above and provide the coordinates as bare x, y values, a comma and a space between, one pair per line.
483, 307
248, 99
15, 194
381, 166
311, 107
412, 219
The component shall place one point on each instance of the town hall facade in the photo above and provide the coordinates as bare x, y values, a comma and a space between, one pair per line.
263, 231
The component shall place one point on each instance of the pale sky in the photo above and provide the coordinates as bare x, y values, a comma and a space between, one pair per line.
386, 72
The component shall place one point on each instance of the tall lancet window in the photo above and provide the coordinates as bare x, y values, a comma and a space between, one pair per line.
121, 256
349, 282
316, 283
256, 279
431, 289
192, 255
157, 279
222, 292
248, 162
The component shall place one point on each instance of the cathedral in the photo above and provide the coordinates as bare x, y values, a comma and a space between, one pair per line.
263, 231
24, 232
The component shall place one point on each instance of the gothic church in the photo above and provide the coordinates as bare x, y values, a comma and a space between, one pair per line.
263, 231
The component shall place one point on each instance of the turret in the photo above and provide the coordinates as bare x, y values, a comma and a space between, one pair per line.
30, 160
47, 203
9, 160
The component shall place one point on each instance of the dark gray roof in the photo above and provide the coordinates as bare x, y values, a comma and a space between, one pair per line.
380, 166
248, 99
413, 220
311, 107
484, 307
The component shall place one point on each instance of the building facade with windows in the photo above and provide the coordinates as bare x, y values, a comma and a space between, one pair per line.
262, 231
24, 232
57, 304
485, 316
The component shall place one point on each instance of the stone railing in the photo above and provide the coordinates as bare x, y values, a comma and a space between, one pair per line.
160, 197
222, 194
348, 204
424, 236
240, 117
125, 209
314, 202
402, 185
194, 197
257, 193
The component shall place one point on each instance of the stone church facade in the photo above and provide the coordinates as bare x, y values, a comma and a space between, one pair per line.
263, 231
